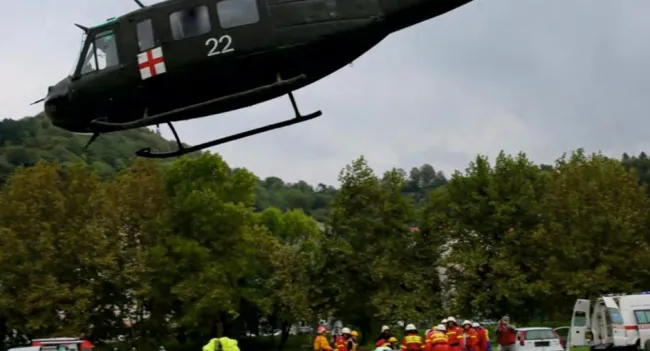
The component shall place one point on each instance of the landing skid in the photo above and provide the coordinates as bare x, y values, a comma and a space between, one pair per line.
146, 152
166, 116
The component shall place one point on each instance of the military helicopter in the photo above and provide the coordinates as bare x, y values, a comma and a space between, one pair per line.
182, 59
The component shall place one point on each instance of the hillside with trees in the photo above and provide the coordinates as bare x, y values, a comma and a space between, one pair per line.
26, 141
171, 254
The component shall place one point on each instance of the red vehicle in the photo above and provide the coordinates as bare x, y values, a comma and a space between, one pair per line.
71, 344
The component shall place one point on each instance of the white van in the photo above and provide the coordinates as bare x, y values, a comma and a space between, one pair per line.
538, 339
614, 321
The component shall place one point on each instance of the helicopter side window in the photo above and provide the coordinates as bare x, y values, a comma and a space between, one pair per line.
235, 13
145, 35
190, 22
101, 53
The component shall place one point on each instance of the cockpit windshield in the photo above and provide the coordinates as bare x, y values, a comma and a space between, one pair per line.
101, 53
83, 40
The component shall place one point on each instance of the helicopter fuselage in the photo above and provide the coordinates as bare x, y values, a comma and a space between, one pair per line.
180, 53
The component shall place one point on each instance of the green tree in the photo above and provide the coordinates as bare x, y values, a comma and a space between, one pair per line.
138, 213
377, 264
486, 218
594, 235
208, 262
54, 250
297, 262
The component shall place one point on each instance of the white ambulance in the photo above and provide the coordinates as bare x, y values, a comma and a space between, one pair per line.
614, 321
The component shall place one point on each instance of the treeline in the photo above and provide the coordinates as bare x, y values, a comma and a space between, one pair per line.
172, 255
26, 141
163, 257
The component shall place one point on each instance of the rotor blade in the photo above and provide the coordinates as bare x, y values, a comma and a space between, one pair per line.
37, 101
139, 3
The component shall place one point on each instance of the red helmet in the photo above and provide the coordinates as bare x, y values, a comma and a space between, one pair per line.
321, 329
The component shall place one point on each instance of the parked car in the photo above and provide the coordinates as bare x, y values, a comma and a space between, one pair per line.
538, 339
561, 332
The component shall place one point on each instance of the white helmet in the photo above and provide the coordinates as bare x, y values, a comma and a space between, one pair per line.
475, 325
451, 319
466, 322
444, 321
345, 331
410, 327
441, 327
384, 328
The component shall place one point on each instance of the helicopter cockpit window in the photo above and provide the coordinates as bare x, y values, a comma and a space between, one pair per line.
190, 22
235, 13
101, 53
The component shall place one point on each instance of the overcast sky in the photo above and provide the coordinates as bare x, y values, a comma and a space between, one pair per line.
539, 76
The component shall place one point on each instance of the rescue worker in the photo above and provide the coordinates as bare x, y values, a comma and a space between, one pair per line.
320, 342
221, 344
341, 343
438, 340
335, 334
506, 334
383, 336
483, 337
470, 337
353, 343
412, 341
392, 343
384, 347
427, 338
454, 332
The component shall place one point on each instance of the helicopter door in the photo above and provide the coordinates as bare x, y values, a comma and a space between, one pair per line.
150, 56
150, 61
100, 80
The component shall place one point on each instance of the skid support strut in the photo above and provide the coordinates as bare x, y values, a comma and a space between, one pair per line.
165, 117
182, 150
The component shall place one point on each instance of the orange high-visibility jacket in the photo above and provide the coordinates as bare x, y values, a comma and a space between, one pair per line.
412, 342
341, 344
454, 334
321, 344
469, 340
482, 339
427, 339
438, 341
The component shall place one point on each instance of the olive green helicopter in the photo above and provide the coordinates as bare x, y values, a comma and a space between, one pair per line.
183, 59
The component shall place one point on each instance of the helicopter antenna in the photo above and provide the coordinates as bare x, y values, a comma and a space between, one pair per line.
85, 29
139, 3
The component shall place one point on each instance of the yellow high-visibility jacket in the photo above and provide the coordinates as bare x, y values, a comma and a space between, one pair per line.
321, 344
227, 344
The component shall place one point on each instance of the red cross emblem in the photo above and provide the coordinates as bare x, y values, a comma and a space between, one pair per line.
151, 63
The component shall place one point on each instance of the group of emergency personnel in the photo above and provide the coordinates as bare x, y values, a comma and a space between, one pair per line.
447, 336
346, 341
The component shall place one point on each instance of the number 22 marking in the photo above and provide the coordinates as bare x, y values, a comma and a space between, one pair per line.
224, 39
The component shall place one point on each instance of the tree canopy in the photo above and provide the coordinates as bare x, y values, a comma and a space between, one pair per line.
174, 253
